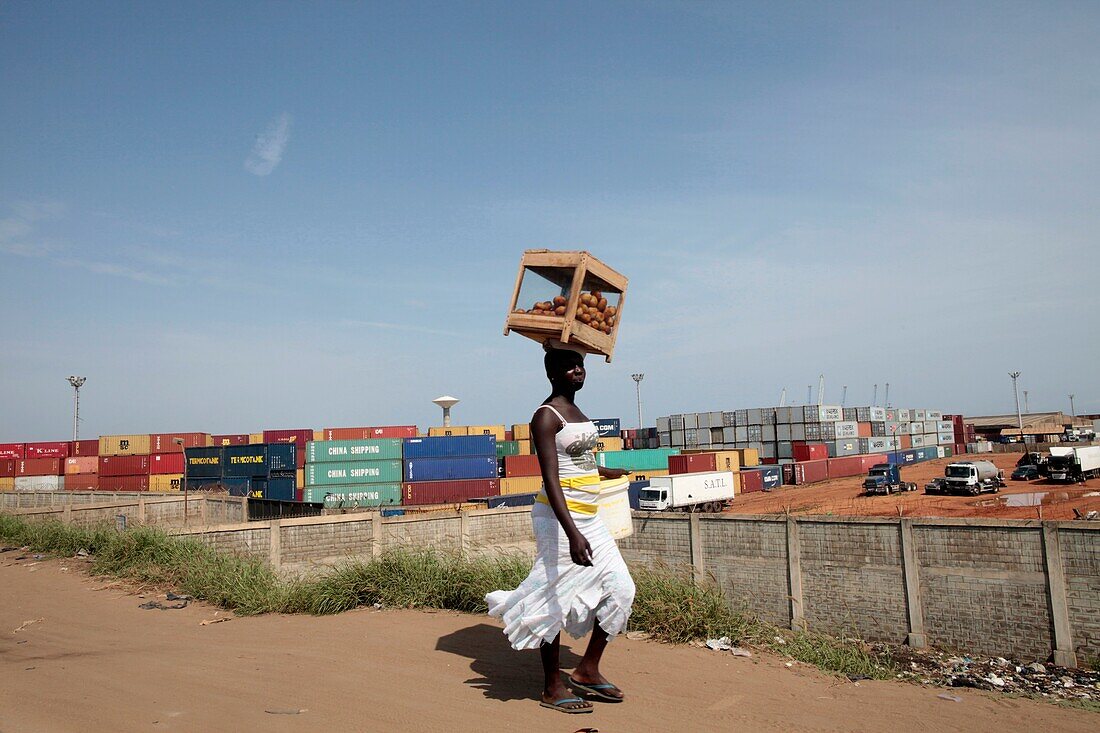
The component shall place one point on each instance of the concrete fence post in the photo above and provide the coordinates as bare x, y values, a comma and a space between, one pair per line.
67, 514
695, 545
202, 510
911, 571
244, 508
794, 574
1064, 654
376, 534
141, 509
464, 534
275, 551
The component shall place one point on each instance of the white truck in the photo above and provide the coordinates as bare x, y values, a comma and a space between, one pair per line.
972, 477
1073, 464
688, 492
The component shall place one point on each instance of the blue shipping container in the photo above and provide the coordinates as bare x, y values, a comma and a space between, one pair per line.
509, 500
449, 469
258, 459
205, 462
609, 427
281, 488
452, 446
634, 491
772, 476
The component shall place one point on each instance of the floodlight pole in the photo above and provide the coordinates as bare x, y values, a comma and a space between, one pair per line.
1072, 409
1027, 410
1015, 389
638, 391
77, 383
186, 516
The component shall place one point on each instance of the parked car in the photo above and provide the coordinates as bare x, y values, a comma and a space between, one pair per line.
1026, 473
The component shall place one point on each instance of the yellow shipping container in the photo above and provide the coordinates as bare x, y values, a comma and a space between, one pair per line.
749, 457
318, 434
7, 483
166, 482
124, 445
497, 431
520, 485
453, 430
605, 444
736, 484
255, 438
301, 477
526, 447
645, 475
521, 431
727, 460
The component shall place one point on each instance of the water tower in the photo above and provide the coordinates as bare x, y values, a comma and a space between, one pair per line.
446, 402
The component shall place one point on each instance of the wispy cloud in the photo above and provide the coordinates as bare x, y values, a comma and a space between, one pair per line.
270, 145
385, 326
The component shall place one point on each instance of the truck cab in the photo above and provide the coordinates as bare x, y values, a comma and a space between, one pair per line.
881, 477
653, 499
972, 477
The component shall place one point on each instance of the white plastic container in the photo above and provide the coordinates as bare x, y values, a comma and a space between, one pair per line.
614, 507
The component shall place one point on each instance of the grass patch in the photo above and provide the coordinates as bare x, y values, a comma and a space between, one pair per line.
669, 605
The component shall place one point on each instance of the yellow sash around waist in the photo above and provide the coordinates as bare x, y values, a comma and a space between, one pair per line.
587, 484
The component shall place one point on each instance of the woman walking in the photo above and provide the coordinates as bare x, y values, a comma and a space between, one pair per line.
579, 581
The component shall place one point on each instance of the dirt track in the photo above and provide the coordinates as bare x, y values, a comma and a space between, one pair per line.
96, 662
1020, 500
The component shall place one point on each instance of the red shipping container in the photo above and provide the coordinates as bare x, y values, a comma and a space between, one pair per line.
82, 482
691, 463
83, 464
769, 461
300, 454
84, 448
787, 470
871, 460
960, 449
166, 442
810, 472
809, 451
235, 439
166, 463
751, 481
368, 433
39, 467
845, 466
863, 429
445, 492
516, 466
124, 483
906, 442
300, 436
53, 449
509, 435
7, 467
123, 466
12, 450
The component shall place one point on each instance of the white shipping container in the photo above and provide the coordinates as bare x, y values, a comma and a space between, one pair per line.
945, 426
917, 441
917, 415
39, 483
904, 415
931, 426
847, 429
830, 413
946, 438
878, 414
691, 421
936, 415
873, 445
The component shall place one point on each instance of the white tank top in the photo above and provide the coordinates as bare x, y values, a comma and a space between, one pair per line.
574, 443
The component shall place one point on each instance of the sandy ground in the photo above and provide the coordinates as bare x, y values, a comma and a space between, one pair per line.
93, 661
1020, 500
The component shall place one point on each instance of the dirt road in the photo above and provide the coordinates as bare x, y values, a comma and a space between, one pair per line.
1020, 500
93, 661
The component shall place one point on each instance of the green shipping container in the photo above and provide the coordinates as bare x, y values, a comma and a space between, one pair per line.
948, 451
329, 451
354, 495
644, 459
507, 448
353, 472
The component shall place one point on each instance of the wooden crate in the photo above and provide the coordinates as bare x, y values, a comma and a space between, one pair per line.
567, 276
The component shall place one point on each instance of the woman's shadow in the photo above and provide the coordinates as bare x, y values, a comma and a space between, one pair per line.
503, 673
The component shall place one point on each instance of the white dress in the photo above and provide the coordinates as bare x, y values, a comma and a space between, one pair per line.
559, 594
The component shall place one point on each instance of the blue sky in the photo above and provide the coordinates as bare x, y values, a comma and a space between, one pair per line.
233, 216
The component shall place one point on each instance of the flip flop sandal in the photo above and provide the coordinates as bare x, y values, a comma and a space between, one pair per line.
597, 690
559, 705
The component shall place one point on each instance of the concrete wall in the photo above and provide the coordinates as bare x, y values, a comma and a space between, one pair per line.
95, 507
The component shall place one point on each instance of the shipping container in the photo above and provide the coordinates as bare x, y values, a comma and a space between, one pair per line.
82, 482
507, 448
239, 461
166, 482
521, 485
276, 488
809, 451
354, 472
637, 460
360, 449
691, 463
230, 439
646, 474
605, 444
526, 447
451, 469
726, 460
39, 482
14, 451
123, 465
84, 447
166, 463
446, 492
450, 431
762, 478
845, 466
515, 466
255, 438
124, 483
7, 468
86, 464
123, 445
53, 449
203, 463
298, 436
234, 486
521, 431
166, 442
450, 447
7, 483
353, 495
40, 467
371, 432
497, 431
610, 427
